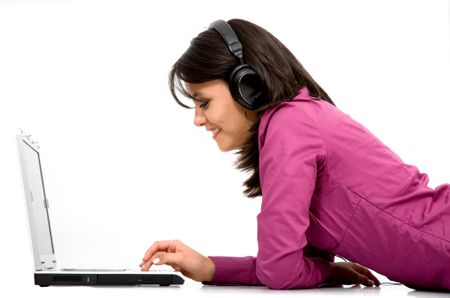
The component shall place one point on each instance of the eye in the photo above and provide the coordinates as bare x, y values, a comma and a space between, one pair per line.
204, 105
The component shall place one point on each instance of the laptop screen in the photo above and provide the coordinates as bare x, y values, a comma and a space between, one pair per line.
37, 203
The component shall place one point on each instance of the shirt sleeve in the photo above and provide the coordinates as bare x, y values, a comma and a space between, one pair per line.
291, 154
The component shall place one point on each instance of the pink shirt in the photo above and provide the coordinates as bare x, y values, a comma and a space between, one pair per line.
329, 185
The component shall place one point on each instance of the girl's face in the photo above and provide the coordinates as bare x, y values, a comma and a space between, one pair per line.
216, 109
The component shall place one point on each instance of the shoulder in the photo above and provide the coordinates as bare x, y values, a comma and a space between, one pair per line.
287, 111
297, 116
290, 131
303, 105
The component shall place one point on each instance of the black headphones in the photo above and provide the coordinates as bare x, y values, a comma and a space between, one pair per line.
244, 83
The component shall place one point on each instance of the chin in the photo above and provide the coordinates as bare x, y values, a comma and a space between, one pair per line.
225, 148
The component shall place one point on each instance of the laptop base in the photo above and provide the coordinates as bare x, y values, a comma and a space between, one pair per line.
46, 279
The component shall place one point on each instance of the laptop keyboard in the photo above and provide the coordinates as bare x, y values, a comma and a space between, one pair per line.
160, 269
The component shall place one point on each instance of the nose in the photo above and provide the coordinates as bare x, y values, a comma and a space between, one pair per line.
199, 117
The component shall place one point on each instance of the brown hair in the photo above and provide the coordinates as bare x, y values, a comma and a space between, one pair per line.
208, 58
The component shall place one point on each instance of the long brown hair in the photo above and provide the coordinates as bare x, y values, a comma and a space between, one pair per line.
208, 58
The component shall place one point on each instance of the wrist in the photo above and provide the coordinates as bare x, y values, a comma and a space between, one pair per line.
210, 269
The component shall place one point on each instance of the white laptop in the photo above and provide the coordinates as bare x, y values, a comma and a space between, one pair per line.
46, 272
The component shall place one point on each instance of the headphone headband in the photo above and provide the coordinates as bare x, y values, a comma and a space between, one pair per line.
229, 36
244, 83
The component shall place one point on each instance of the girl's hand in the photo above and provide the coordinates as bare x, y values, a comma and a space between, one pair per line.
180, 257
352, 273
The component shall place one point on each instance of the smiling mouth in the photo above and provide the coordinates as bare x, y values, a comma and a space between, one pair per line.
215, 132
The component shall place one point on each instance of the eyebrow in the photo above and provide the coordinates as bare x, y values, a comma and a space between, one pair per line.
198, 96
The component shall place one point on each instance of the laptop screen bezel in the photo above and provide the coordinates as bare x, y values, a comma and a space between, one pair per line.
37, 203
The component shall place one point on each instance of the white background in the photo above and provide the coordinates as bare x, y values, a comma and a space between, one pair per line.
125, 166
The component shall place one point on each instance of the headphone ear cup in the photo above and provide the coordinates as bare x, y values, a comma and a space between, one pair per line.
246, 86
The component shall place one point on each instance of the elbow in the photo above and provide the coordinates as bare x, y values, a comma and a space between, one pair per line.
277, 285
281, 284
287, 275
279, 280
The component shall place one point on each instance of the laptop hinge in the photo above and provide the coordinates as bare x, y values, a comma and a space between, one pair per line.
48, 262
